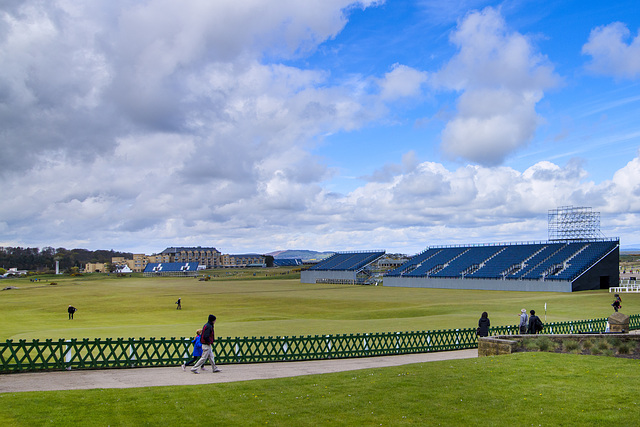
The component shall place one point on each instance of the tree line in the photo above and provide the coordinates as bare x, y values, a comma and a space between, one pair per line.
35, 259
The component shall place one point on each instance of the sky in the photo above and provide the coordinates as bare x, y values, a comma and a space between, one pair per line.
261, 125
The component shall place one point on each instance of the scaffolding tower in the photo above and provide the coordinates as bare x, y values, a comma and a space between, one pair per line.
568, 223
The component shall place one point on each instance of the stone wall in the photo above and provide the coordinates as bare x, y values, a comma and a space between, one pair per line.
507, 344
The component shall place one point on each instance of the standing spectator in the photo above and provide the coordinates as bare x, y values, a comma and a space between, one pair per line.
617, 303
197, 350
207, 339
523, 321
483, 325
72, 310
535, 324
179, 307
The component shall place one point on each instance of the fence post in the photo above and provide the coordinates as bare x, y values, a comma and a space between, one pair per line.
67, 355
132, 356
285, 347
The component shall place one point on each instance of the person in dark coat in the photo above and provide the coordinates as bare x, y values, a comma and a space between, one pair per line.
535, 324
72, 310
179, 303
617, 304
207, 338
483, 325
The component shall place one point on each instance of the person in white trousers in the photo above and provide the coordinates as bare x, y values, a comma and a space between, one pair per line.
207, 338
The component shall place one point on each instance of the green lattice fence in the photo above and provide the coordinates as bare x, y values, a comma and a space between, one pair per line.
98, 353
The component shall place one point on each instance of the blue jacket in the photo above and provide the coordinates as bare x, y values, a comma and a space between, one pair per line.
197, 346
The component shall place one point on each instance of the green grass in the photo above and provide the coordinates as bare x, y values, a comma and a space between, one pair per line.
520, 389
260, 305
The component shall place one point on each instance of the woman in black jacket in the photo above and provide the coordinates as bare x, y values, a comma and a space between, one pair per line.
483, 325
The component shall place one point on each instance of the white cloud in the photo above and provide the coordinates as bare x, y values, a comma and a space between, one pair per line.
141, 125
502, 79
401, 82
610, 54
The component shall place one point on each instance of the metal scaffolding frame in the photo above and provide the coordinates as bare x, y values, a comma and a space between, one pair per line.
574, 223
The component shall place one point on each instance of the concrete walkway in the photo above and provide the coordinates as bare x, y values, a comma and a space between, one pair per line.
152, 377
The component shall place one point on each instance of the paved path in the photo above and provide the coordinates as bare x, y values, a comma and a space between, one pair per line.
151, 377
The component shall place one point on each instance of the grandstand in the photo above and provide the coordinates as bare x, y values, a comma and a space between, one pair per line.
343, 267
287, 262
173, 269
554, 266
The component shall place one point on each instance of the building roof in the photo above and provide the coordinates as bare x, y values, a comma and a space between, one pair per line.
175, 250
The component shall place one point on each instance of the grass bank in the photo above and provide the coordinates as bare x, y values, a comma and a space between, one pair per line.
521, 389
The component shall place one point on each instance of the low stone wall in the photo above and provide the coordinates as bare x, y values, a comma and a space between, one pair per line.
507, 344
493, 346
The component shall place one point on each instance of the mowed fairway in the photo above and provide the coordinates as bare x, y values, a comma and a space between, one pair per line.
521, 389
266, 306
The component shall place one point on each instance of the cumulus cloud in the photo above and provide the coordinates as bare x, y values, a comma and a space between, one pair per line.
402, 81
501, 78
610, 54
157, 118
141, 125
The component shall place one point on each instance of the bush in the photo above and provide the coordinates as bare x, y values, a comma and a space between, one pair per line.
530, 344
625, 347
570, 345
588, 344
545, 344
613, 341
53, 283
602, 345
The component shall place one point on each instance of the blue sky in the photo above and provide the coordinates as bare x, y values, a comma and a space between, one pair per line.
330, 125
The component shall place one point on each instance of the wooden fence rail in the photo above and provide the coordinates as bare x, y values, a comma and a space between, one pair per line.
37, 355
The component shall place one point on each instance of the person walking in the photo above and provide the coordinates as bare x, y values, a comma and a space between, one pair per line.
197, 350
617, 304
179, 307
535, 324
523, 321
72, 310
483, 325
207, 338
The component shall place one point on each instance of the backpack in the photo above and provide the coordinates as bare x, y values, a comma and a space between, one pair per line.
539, 325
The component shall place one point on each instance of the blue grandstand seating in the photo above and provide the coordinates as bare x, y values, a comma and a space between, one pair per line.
505, 260
591, 253
472, 257
287, 262
534, 261
436, 261
347, 261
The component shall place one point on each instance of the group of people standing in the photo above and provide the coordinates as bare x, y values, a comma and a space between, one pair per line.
528, 324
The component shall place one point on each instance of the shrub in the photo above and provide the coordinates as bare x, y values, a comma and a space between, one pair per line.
625, 347
53, 283
530, 344
602, 345
545, 344
570, 345
613, 341
588, 344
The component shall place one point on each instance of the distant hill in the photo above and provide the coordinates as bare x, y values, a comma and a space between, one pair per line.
304, 255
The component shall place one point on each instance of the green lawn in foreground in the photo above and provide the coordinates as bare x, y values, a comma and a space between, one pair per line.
267, 306
516, 390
